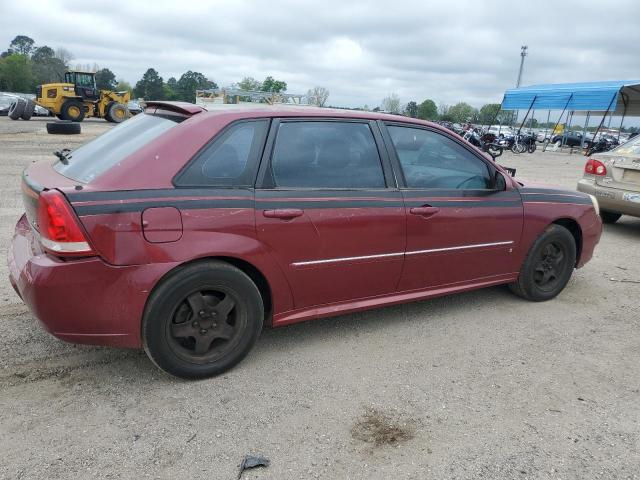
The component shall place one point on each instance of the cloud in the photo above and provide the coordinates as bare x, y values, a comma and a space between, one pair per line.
361, 51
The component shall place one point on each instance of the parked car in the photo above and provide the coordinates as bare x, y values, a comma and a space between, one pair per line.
41, 111
501, 130
571, 139
134, 107
5, 103
613, 177
185, 232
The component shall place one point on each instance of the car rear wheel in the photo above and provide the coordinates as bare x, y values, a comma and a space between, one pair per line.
556, 145
202, 320
609, 217
548, 265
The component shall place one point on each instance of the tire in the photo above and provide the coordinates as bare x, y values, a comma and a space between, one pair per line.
17, 108
63, 128
495, 151
542, 276
609, 217
29, 108
181, 317
556, 145
117, 112
532, 147
107, 115
518, 148
72, 110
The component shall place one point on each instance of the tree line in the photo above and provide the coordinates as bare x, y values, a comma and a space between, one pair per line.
24, 66
461, 112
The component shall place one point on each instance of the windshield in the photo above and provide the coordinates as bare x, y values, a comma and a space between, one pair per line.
631, 148
96, 157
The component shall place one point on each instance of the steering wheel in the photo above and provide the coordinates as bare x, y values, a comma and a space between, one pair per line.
461, 186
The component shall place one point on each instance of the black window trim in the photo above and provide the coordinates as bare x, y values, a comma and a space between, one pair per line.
395, 161
264, 173
176, 178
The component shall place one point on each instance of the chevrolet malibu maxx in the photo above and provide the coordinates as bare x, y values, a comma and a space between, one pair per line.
185, 232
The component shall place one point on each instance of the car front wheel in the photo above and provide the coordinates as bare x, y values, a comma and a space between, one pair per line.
202, 320
548, 265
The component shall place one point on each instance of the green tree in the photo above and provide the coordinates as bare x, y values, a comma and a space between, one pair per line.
47, 68
21, 45
461, 112
275, 86
249, 84
123, 86
16, 74
427, 110
488, 113
150, 86
105, 79
411, 109
190, 82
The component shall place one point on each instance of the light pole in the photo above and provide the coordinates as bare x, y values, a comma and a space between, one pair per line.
523, 53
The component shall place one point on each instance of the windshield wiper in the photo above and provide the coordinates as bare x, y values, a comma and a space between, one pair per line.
63, 155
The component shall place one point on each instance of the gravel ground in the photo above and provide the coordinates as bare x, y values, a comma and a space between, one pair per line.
477, 385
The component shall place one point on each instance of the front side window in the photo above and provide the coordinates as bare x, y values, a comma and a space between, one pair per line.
326, 155
230, 160
432, 160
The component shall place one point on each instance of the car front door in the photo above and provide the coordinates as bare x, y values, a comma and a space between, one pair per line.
325, 211
460, 227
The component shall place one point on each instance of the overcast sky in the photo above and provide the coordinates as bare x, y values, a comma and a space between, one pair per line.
361, 51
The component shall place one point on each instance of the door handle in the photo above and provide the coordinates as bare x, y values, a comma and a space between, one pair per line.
283, 213
424, 211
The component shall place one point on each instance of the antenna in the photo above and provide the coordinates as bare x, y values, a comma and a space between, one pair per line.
523, 53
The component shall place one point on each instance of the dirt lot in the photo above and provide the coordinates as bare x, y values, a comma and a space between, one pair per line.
479, 385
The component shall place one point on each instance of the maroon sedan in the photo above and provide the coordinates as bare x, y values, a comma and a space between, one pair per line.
185, 232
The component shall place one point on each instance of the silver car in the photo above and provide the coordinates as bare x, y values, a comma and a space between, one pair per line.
613, 177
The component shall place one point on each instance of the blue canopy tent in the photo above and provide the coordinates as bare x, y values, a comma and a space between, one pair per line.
618, 97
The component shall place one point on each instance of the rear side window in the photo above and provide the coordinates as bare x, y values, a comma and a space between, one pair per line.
231, 159
326, 155
432, 160
96, 157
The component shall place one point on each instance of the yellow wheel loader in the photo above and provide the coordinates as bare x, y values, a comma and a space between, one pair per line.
78, 98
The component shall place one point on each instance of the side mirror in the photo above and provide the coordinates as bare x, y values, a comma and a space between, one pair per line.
499, 183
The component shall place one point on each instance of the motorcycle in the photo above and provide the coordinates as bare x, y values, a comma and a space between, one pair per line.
604, 144
524, 143
486, 142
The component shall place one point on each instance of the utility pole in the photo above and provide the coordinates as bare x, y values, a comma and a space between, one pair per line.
523, 53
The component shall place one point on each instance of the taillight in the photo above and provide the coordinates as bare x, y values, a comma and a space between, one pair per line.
595, 167
60, 232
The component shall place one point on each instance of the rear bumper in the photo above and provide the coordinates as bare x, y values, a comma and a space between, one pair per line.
81, 300
609, 199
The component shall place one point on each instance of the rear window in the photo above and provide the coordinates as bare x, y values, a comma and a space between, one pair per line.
96, 157
631, 148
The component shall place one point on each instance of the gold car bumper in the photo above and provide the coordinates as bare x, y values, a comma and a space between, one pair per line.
612, 199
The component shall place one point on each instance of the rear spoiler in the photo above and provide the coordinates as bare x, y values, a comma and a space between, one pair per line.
184, 108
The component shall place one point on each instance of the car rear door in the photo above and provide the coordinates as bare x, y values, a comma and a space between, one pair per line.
459, 227
328, 210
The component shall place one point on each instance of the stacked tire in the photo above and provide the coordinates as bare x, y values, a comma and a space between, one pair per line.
21, 109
